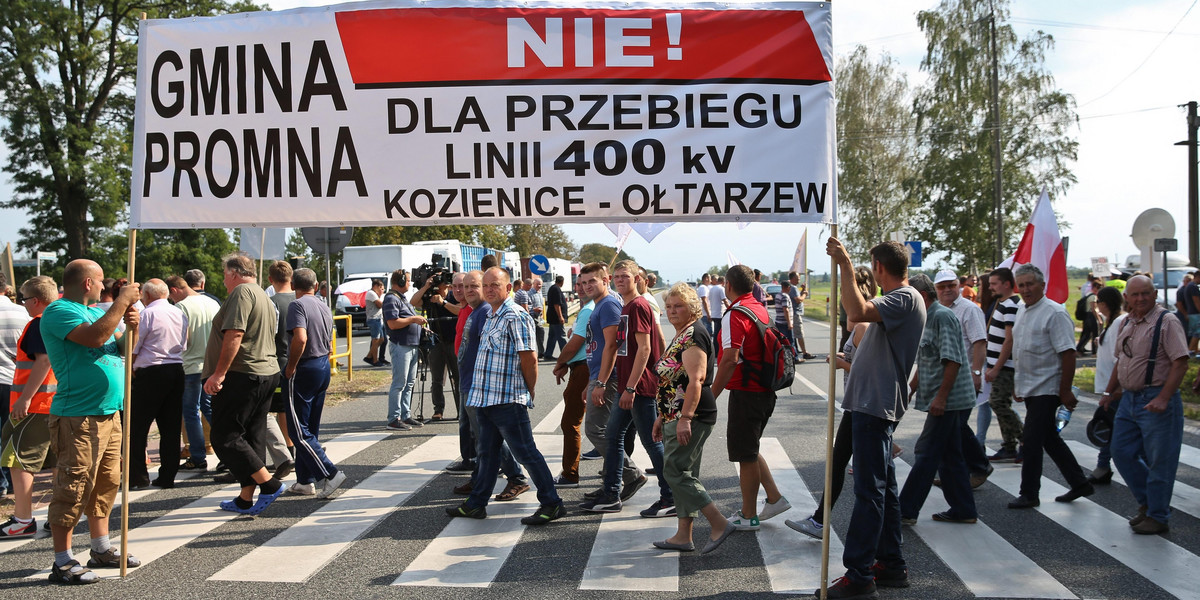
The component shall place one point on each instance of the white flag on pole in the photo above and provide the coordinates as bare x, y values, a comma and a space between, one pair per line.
800, 260
733, 261
623, 231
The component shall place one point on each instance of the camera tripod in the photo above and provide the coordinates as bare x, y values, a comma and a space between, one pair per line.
423, 371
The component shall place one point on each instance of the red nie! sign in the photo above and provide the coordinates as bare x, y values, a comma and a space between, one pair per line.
504, 46
424, 113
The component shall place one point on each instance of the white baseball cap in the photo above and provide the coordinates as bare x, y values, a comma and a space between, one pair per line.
944, 275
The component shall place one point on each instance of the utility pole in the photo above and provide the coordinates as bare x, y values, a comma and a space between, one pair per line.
1193, 236
997, 130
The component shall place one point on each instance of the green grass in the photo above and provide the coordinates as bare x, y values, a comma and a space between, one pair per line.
1085, 377
814, 308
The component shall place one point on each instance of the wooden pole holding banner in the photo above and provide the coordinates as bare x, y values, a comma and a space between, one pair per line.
125, 417
833, 320
125, 421
262, 247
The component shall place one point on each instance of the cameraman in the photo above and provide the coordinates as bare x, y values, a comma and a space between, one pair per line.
441, 310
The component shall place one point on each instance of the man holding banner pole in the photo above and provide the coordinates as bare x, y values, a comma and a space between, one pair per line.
875, 399
85, 422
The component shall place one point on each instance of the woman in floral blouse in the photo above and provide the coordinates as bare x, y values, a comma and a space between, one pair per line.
687, 412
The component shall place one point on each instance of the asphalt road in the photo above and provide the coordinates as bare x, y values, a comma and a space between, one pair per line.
389, 525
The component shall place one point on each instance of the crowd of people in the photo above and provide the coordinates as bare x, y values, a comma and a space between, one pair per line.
248, 375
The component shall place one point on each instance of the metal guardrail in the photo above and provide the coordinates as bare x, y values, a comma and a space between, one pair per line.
333, 362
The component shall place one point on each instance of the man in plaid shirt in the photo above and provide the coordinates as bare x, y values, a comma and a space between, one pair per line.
504, 379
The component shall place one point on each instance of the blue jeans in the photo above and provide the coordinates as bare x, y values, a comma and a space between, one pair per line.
404, 379
983, 420
375, 327
466, 432
195, 401
509, 423
1146, 446
508, 465
972, 451
707, 322
642, 415
558, 339
875, 522
939, 450
305, 402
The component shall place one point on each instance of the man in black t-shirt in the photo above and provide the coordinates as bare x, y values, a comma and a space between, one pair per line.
556, 318
442, 321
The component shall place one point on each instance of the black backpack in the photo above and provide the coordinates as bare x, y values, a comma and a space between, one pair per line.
779, 368
1081, 310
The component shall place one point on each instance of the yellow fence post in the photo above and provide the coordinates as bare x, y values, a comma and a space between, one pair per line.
333, 365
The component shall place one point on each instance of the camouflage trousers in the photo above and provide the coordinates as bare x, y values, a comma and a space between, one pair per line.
1001, 402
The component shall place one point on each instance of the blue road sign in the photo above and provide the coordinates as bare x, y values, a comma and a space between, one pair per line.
914, 254
538, 265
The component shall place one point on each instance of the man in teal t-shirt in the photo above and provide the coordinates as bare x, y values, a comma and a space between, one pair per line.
85, 427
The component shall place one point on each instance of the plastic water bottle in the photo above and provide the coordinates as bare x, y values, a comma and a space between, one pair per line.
1064, 414
1063, 417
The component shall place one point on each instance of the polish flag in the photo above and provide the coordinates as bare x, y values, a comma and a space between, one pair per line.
1042, 245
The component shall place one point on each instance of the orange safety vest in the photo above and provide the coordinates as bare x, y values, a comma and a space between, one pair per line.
40, 404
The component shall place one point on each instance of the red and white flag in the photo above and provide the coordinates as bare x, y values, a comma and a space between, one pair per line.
1042, 245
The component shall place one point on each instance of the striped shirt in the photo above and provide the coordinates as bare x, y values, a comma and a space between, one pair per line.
498, 378
1003, 317
12, 322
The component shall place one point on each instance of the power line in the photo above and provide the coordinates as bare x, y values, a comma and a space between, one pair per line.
902, 132
1148, 56
1089, 26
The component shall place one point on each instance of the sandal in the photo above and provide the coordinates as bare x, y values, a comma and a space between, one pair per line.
511, 491
72, 573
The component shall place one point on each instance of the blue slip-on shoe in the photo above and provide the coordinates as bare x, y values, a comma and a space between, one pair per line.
232, 506
265, 500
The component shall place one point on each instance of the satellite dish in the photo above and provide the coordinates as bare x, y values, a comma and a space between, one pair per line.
1151, 225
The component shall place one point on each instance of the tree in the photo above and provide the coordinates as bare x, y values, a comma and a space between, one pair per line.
549, 240
66, 71
956, 129
877, 153
600, 253
492, 236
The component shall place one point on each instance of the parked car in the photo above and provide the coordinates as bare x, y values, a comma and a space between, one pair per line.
771, 289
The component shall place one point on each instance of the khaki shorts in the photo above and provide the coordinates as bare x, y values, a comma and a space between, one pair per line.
26, 444
87, 473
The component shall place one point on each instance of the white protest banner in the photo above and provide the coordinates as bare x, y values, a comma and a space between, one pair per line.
439, 112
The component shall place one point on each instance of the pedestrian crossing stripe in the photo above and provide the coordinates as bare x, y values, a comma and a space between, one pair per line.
179, 527
623, 557
1153, 557
790, 559
320, 537
40, 514
961, 546
1184, 497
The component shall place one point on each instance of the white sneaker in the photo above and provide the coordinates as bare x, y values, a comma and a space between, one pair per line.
301, 489
332, 484
769, 510
743, 523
